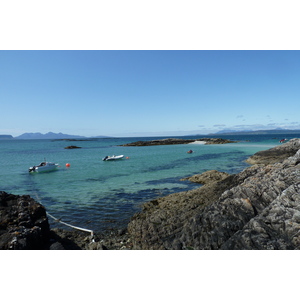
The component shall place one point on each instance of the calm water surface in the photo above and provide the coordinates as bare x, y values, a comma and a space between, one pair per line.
102, 195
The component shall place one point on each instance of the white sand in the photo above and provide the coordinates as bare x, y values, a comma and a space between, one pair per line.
198, 142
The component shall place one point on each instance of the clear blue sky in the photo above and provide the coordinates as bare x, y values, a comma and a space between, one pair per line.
148, 93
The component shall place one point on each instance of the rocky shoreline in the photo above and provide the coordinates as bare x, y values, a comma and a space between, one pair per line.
24, 225
258, 208
175, 141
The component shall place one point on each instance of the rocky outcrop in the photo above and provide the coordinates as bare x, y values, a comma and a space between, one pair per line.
211, 141
207, 177
174, 141
259, 208
24, 226
23, 223
275, 227
276, 154
72, 147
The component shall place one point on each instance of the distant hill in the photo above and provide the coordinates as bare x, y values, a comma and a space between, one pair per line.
229, 131
5, 137
102, 137
272, 131
49, 135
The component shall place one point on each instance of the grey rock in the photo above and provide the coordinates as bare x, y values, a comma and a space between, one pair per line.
207, 177
255, 209
276, 154
276, 227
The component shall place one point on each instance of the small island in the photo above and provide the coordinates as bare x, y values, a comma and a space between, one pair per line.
72, 147
175, 141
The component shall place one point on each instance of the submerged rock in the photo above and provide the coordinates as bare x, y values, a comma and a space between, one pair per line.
259, 208
72, 147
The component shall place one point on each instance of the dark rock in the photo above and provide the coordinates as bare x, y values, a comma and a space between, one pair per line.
24, 226
23, 223
69, 239
175, 141
209, 141
57, 246
97, 246
72, 147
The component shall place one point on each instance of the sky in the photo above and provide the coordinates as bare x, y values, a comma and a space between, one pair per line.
148, 93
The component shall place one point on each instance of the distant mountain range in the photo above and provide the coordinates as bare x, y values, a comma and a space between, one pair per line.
249, 132
6, 137
57, 136
52, 136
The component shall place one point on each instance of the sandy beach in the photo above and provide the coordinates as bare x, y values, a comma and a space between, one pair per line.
198, 143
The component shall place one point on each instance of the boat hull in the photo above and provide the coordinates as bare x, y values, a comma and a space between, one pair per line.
114, 157
48, 167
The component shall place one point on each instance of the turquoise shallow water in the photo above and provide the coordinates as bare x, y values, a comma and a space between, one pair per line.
101, 195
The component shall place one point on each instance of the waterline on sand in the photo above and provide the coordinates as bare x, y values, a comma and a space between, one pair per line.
198, 143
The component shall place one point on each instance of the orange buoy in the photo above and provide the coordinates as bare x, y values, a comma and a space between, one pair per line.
68, 165
127, 157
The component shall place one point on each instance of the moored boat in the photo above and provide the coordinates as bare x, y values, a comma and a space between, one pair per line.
44, 167
113, 157
283, 140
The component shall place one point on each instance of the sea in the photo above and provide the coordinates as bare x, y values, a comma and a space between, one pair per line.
103, 195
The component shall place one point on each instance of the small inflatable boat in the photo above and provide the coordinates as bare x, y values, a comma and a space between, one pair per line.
113, 157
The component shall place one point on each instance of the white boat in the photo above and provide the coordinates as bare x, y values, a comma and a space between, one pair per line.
44, 167
113, 157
